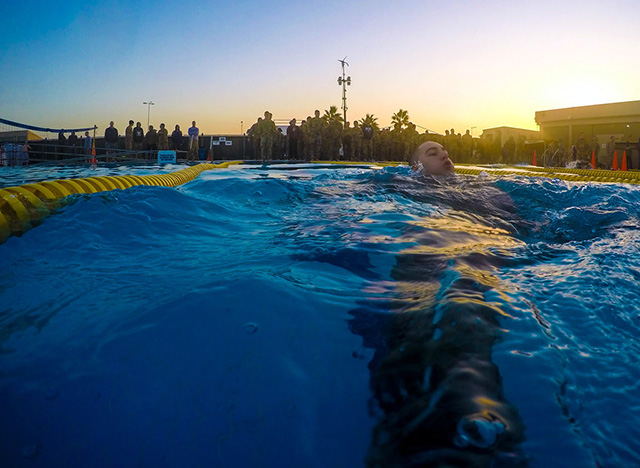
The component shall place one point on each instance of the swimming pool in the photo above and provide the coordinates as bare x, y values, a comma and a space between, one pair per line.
308, 315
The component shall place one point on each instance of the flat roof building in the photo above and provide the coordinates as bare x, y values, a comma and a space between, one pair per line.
18, 136
505, 132
619, 119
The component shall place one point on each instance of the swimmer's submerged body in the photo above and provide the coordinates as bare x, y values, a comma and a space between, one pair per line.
438, 394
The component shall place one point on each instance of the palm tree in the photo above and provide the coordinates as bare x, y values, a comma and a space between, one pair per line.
332, 114
400, 118
369, 119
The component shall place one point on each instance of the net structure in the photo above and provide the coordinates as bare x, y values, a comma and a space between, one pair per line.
22, 144
9, 126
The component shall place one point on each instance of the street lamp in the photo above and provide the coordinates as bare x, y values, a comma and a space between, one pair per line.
149, 104
344, 82
472, 130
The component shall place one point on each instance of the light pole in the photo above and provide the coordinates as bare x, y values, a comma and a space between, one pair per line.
344, 82
472, 130
149, 104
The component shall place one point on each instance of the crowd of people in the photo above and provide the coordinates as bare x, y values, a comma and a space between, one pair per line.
135, 140
14, 154
557, 154
328, 137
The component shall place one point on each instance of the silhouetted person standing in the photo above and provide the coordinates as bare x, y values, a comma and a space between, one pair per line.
293, 137
315, 127
62, 142
128, 137
73, 142
176, 139
111, 139
151, 139
163, 138
194, 133
138, 137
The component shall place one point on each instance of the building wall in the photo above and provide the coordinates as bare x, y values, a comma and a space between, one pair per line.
505, 132
621, 120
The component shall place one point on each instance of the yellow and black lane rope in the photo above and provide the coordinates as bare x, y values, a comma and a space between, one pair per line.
571, 175
24, 206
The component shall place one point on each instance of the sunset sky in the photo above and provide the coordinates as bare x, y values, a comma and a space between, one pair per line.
458, 64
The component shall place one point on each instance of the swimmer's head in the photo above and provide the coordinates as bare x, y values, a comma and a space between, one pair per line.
432, 159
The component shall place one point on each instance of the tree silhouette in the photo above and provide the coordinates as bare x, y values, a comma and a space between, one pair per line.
332, 114
369, 119
400, 118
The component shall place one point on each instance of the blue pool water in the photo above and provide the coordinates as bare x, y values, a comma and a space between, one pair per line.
315, 316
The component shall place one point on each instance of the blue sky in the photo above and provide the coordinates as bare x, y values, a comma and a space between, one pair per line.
455, 64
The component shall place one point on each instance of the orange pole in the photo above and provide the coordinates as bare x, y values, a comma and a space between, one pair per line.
615, 161
535, 163
623, 166
93, 151
593, 159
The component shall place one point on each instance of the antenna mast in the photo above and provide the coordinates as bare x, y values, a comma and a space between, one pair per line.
344, 82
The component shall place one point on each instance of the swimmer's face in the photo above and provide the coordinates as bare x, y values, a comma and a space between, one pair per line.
433, 158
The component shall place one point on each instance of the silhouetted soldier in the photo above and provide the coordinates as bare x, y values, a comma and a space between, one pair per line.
151, 139
316, 127
111, 139
356, 141
467, 147
581, 146
334, 139
128, 137
267, 130
62, 142
254, 134
293, 136
383, 149
278, 144
176, 139
367, 142
73, 142
303, 144
163, 138
194, 141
